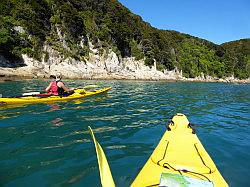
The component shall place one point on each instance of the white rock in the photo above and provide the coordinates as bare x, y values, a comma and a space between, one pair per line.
105, 66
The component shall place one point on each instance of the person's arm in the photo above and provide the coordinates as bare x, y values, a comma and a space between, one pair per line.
48, 88
61, 85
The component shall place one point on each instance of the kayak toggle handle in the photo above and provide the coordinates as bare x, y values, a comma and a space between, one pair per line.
191, 126
170, 123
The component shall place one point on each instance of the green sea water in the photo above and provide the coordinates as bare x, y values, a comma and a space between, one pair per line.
49, 144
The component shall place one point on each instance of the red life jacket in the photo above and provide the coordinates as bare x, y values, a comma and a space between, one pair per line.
54, 88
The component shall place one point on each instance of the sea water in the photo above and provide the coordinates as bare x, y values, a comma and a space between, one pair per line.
48, 144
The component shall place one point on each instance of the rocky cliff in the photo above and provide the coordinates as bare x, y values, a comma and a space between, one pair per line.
96, 66
102, 39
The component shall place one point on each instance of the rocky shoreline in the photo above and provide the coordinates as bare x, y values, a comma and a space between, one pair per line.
107, 66
6, 76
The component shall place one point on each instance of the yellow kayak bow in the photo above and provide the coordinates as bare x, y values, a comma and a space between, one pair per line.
178, 160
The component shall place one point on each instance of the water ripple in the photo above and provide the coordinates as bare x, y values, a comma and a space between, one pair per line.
50, 145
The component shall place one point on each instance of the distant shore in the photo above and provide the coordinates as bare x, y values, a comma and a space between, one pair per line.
4, 78
98, 67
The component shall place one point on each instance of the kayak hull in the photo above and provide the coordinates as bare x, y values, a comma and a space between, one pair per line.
179, 152
79, 93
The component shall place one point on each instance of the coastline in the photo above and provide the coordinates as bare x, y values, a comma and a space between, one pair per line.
98, 67
214, 80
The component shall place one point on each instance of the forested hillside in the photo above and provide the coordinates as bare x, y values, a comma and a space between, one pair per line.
68, 26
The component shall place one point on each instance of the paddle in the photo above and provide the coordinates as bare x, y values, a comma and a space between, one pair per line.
30, 93
46, 95
105, 173
83, 89
33, 94
90, 86
37, 93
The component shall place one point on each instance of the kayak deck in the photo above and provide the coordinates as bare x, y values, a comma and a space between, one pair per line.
179, 152
79, 93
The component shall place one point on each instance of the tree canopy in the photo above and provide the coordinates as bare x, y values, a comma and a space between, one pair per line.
67, 24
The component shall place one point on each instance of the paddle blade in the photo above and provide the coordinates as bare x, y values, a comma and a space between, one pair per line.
105, 173
30, 93
91, 86
80, 90
85, 89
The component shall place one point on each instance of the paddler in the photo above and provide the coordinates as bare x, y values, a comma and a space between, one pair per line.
57, 87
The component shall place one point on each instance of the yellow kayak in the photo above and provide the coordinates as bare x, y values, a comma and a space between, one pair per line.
179, 157
79, 93
178, 160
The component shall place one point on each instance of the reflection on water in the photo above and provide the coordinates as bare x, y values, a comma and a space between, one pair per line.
49, 144
57, 122
54, 106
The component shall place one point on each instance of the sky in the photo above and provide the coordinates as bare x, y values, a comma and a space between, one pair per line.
218, 21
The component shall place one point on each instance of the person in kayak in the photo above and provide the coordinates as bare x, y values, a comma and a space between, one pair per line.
57, 87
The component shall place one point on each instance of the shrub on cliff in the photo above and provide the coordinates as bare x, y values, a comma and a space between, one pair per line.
69, 25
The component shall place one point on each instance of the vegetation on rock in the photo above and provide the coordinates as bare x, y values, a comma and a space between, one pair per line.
68, 26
